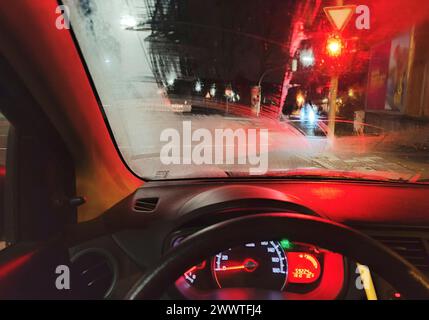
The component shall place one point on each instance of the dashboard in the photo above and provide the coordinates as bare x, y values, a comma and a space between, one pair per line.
134, 234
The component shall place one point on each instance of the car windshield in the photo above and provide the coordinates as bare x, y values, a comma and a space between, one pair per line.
248, 88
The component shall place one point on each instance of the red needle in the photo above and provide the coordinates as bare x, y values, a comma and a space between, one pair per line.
224, 268
201, 266
249, 265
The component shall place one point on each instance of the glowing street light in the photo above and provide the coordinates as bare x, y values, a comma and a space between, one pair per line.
198, 86
171, 79
128, 21
300, 99
228, 94
228, 91
213, 90
307, 58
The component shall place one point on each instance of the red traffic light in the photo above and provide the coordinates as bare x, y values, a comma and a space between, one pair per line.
334, 46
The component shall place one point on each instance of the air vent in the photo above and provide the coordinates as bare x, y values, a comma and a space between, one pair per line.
146, 204
411, 249
93, 273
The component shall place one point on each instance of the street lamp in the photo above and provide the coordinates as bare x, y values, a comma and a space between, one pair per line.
300, 99
198, 86
307, 58
128, 22
228, 94
259, 87
213, 90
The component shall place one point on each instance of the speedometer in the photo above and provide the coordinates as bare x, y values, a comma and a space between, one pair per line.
254, 265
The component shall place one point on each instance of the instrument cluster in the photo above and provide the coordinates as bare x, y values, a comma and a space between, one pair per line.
296, 270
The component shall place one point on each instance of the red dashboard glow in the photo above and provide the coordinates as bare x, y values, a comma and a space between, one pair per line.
201, 266
304, 268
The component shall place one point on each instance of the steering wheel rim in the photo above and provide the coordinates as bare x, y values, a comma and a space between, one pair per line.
339, 238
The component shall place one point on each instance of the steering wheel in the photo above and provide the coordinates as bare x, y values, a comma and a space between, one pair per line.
211, 240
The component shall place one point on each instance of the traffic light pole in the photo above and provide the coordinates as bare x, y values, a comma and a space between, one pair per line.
333, 93
332, 107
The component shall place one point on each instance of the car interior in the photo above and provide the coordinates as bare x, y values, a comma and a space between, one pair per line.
76, 199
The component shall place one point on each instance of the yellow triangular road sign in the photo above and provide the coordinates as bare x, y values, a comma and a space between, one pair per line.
339, 16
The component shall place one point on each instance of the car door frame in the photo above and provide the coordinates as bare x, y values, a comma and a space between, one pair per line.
38, 185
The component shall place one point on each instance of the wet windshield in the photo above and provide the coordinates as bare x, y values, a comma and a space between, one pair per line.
236, 88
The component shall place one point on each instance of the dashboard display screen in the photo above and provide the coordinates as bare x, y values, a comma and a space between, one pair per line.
303, 267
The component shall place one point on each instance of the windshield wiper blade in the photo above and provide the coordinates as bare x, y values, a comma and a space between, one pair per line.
423, 181
323, 174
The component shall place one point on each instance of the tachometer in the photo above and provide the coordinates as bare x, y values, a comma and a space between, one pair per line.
254, 265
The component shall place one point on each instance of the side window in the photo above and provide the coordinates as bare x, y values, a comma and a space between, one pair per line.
4, 130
